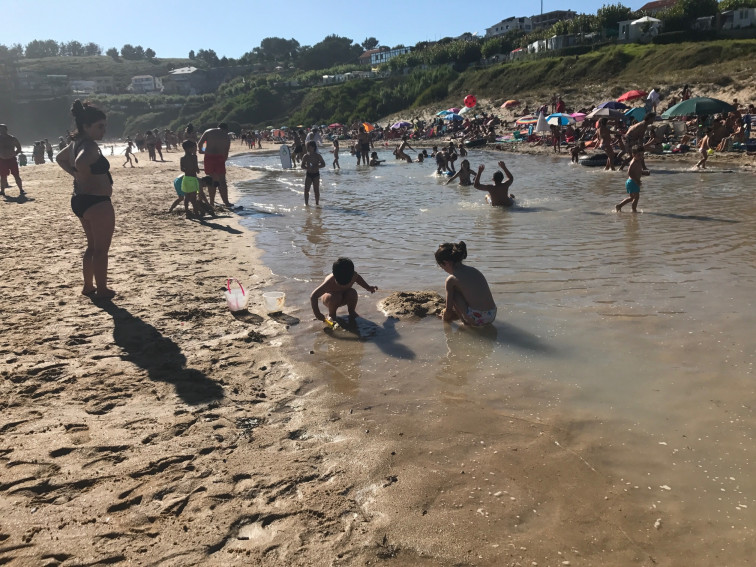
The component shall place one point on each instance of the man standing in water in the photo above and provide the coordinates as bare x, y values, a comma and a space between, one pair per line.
10, 147
215, 145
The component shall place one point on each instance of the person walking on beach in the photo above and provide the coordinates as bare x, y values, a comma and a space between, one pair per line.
215, 144
312, 162
703, 149
49, 150
468, 296
10, 147
129, 153
498, 193
93, 186
633, 183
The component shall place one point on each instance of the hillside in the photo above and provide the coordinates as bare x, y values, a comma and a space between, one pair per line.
724, 68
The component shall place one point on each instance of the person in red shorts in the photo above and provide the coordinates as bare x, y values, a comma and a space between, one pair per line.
215, 145
10, 147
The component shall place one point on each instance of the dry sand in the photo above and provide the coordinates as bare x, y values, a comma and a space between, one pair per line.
160, 430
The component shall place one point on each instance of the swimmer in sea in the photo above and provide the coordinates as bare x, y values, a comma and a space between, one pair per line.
374, 159
312, 162
404, 146
464, 174
498, 193
633, 183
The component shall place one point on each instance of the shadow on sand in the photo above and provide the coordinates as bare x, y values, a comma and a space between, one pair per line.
163, 360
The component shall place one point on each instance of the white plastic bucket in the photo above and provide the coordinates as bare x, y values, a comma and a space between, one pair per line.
274, 301
235, 298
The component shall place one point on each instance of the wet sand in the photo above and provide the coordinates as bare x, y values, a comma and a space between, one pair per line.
158, 429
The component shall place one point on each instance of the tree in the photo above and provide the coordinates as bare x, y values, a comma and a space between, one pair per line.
36, 49
128, 51
138, 52
369, 43
208, 56
278, 49
610, 15
332, 51
149, 53
192, 54
92, 49
725, 5
112, 52
693, 9
72, 49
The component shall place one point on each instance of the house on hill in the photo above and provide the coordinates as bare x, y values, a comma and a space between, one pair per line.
366, 57
141, 84
653, 8
185, 81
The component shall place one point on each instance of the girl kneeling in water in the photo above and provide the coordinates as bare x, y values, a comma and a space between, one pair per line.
468, 296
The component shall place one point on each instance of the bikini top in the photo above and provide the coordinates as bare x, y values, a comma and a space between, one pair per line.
101, 166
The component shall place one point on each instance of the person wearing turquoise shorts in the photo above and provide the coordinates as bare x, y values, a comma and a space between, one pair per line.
633, 183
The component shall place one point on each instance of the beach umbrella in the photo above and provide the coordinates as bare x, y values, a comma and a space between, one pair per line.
454, 110
402, 124
631, 95
269, 127
559, 119
613, 104
454, 117
510, 103
605, 112
541, 124
465, 110
368, 126
335, 125
699, 105
443, 112
526, 120
638, 113
578, 116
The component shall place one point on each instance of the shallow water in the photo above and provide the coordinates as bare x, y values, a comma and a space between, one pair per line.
637, 328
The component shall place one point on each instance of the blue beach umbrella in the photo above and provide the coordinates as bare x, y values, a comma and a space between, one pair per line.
454, 117
443, 113
638, 113
613, 104
559, 119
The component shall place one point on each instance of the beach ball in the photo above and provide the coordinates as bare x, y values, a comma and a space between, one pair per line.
470, 101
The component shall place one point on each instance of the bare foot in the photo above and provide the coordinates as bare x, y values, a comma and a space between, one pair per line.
89, 291
104, 294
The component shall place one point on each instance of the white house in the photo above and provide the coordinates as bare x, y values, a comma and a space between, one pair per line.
145, 84
508, 25
383, 56
740, 18
638, 31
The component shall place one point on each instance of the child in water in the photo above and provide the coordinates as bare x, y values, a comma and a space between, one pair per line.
633, 183
464, 174
312, 162
336, 290
336, 154
498, 193
468, 297
374, 159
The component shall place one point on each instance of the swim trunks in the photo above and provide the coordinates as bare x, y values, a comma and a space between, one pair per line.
177, 185
189, 184
80, 203
480, 318
8, 166
631, 186
215, 164
313, 174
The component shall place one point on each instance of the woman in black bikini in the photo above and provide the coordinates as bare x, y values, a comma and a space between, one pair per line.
93, 187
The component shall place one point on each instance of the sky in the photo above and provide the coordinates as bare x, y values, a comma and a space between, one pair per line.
232, 28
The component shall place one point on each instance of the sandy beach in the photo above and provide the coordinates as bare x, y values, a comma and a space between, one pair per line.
160, 429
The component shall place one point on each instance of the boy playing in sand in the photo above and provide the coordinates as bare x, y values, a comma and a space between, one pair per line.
633, 183
190, 182
498, 193
336, 290
312, 162
204, 204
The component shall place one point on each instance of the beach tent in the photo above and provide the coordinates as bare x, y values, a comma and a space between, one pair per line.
541, 124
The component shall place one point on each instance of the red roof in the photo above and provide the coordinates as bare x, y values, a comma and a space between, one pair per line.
657, 6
